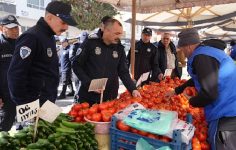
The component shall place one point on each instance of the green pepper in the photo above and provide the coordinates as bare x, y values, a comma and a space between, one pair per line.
72, 124
34, 146
3, 142
20, 135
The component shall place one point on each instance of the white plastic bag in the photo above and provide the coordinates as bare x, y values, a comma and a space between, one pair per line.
187, 130
120, 115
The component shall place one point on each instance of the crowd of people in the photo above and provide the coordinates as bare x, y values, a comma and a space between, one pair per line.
29, 67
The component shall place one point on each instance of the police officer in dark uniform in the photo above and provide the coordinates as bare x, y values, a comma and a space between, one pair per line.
103, 58
10, 31
34, 72
146, 58
66, 69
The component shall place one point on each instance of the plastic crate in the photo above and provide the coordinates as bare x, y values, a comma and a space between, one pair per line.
121, 140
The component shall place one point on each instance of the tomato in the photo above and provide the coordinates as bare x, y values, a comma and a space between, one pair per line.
80, 113
111, 103
89, 117
143, 133
102, 106
121, 126
97, 117
123, 105
196, 144
85, 112
77, 107
85, 105
133, 130
202, 136
78, 119
205, 146
106, 117
152, 136
112, 110
93, 110
73, 113
165, 139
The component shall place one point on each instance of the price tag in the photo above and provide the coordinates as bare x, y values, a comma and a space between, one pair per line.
49, 111
168, 72
98, 84
27, 111
142, 78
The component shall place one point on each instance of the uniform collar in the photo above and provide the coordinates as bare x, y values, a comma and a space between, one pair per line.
7, 39
43, 25
144, 43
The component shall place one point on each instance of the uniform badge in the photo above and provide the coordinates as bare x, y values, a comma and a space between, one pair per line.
49, 52
115, 54
79, 50
10, 18
148, 50
24, 52
98, 51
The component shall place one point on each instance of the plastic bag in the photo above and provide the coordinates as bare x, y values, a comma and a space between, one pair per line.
187, 130
126, 111
144, 145
153, 121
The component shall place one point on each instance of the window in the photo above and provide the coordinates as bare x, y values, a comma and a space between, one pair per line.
37, 4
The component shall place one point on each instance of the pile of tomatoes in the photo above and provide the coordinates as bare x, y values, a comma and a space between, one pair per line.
153, 97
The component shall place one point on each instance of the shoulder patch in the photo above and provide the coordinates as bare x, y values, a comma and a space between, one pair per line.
93, 36
24, 52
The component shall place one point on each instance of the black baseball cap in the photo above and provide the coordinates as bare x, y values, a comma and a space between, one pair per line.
9, 21
61, 10
147, 31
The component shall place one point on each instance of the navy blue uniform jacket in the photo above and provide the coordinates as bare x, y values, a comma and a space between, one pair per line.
7, 47
34, 71
98, 60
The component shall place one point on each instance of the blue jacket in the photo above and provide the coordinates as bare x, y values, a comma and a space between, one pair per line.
34, 71
65, 61
225, 104
233, 52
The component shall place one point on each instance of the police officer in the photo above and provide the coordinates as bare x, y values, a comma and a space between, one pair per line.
103, 58
146, 58
75, 51
10, 31
34, 72
66, 69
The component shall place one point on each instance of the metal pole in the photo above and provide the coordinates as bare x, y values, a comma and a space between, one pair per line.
133, 37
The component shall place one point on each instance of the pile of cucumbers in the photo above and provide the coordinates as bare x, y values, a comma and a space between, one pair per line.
62, 134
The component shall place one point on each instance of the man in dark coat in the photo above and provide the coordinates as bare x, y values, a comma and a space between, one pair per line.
167, 58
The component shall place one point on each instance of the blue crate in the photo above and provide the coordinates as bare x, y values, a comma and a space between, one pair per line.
127, 140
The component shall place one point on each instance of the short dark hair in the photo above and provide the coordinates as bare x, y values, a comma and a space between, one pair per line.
111, 22
105, 19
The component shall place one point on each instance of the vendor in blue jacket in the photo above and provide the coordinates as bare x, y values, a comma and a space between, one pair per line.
213, 75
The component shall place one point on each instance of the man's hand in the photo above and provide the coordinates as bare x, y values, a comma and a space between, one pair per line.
136, 93
160, 76
1, 103
170, 93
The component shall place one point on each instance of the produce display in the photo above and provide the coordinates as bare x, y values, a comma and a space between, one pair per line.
153, 97
62, 134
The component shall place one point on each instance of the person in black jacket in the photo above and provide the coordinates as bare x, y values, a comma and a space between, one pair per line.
34, 71
66, 69
167, 58
146, 58
10, 31
103, 58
